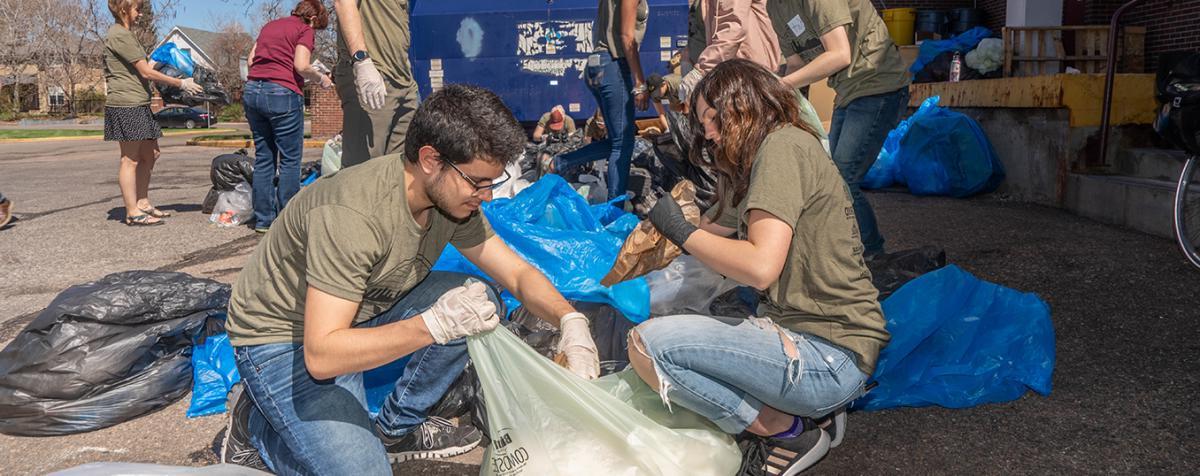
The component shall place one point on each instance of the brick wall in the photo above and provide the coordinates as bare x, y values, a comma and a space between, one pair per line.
1171, 25
326, 113
995, 13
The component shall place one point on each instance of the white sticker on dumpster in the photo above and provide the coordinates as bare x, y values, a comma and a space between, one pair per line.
664, 55
573, 107
664, 42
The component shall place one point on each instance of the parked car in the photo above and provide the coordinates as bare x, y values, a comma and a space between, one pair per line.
187, 117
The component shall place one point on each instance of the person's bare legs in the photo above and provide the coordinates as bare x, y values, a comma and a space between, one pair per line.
770, 421
129, 180
148, 154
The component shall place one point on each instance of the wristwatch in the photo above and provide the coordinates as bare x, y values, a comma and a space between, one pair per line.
359, 56
639, 89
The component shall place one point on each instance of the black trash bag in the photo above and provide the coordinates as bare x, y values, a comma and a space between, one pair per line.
672, 165
213, 93
938, 70
890, 271
227, 171
105, 352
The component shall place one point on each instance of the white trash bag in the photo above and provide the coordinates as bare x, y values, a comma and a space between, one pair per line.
234, 207
545, 421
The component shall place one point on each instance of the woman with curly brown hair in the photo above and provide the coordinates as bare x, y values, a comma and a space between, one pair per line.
785, 225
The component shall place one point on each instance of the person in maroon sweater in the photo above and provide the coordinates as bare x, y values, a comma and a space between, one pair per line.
280, 61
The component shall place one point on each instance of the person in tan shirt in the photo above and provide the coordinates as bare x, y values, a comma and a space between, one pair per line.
734, 29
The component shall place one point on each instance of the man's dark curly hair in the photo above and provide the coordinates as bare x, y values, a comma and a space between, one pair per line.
463, 123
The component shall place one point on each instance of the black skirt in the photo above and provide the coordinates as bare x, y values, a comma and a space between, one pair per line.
130, 124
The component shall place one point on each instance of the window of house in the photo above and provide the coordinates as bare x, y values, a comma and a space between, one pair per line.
58, 97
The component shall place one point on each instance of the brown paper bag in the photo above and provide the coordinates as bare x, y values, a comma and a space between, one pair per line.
646, 249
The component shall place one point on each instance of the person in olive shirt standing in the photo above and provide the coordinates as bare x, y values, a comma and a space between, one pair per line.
785, 226
373, 77
847, 42
342, 284
127, 117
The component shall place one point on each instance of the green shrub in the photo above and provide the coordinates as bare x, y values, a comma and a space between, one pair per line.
232, 113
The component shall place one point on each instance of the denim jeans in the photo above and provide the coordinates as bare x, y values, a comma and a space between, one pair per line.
276, 117
611, 83
856, 134
726, 369
306, 426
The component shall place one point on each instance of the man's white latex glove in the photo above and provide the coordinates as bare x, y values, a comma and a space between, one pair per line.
189, 86
577, 346
326, 81
461, 312
369, 83
688, 83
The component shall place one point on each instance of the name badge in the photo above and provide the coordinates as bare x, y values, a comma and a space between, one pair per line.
797, 25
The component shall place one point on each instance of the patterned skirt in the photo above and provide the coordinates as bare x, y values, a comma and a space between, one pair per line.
130, 124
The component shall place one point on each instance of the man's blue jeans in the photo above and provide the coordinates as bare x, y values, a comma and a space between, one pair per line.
611, 83
856, 135
276, 117
301, 425
727, 369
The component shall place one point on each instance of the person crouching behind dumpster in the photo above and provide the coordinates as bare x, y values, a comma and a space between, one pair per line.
342, 284
784, 225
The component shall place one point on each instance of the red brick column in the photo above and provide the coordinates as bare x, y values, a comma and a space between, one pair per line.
326, 113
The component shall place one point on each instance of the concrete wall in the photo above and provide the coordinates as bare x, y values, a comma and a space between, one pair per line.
1032, 144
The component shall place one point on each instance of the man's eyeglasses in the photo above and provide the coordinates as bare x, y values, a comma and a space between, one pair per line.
474, 184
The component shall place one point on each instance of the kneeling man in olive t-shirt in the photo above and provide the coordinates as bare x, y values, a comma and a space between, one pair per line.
342, 284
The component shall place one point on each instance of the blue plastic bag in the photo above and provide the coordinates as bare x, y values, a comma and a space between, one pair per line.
962, 43
172, 56
958, 341
214, 371
946, 153
883, 173
573, 243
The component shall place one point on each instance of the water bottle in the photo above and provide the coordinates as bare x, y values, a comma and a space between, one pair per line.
956, 67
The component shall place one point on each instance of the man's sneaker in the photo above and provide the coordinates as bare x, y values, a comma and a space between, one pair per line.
236, 447
436, 438
835, 425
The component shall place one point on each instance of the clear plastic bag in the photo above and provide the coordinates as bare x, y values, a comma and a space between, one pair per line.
234, 207
685, 286
331, 155
543, 420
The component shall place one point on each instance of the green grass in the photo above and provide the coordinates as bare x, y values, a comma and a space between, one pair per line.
43, 133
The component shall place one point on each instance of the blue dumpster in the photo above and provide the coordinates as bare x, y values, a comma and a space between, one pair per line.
530, 52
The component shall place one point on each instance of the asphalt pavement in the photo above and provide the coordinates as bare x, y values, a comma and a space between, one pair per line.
1125, 308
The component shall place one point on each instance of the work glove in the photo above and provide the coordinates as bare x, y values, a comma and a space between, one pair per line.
369, 83
461, 312
668, 219
189, 86
577, 346
688, 83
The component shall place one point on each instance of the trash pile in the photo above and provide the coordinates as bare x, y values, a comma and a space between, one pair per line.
177, 63
230, 200
105, 352
982, 57
937, 151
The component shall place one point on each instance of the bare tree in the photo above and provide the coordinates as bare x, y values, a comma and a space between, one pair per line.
73, 50
154, 16
231, 47
326, 40
20, 44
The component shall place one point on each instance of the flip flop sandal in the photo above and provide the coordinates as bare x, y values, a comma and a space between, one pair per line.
143, 220
155, 212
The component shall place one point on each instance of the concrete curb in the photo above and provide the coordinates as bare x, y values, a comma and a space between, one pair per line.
247, 144
101, 136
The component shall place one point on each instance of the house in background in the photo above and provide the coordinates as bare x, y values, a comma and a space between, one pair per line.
195, 41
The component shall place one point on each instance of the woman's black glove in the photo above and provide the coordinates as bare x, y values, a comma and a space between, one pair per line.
667, 217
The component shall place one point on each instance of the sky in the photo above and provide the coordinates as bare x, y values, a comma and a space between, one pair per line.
207, 14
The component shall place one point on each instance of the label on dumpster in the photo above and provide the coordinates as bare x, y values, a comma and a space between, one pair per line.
664, 42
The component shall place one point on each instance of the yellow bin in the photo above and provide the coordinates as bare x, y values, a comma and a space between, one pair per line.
900, 24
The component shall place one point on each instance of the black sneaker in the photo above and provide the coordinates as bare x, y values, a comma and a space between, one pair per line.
436, 438
793, 455
236, 447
